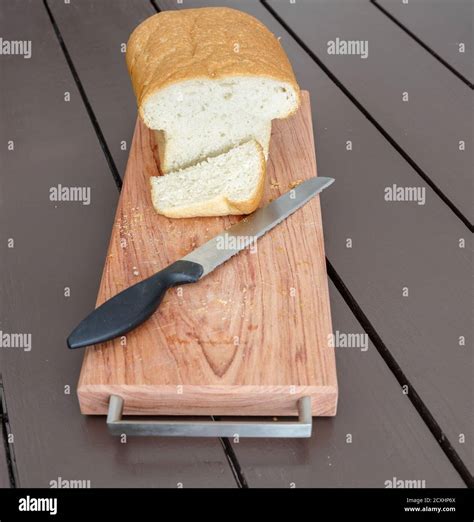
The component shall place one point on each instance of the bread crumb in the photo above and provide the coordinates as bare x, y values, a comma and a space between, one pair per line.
294, 184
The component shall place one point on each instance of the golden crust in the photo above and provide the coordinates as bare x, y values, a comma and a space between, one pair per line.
174, 46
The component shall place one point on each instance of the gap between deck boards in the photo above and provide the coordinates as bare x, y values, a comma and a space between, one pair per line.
85, 100
8, 448
423, 44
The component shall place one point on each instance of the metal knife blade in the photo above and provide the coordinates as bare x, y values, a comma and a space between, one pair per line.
244, 233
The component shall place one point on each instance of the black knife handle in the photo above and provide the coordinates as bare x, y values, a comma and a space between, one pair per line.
132, 306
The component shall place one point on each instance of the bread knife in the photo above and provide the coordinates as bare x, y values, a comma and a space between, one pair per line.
134, 305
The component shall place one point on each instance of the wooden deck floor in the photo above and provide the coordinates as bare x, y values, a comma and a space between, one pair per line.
399, 271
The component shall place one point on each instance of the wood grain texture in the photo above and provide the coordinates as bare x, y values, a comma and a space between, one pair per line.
440, 25
251, 337
429, 126
59, 245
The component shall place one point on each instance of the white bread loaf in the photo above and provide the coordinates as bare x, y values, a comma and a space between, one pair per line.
208, 79
231, 183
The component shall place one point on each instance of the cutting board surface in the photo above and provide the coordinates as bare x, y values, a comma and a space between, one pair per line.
248, 339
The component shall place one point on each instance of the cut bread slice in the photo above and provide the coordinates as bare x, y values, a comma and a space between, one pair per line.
200, 140
231, 183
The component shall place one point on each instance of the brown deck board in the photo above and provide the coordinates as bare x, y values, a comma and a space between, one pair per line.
4, 478
429, 126
441, 25
57, 246
394, 245
5, 448
88, 32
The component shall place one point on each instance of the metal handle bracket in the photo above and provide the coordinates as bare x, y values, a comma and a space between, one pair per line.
180, 428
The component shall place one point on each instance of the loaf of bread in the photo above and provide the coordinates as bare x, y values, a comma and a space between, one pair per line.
208, 80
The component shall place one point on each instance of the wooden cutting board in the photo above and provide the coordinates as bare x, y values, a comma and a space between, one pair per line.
248, 339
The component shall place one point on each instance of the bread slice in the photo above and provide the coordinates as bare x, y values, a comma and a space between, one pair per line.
208, 79
230, 183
